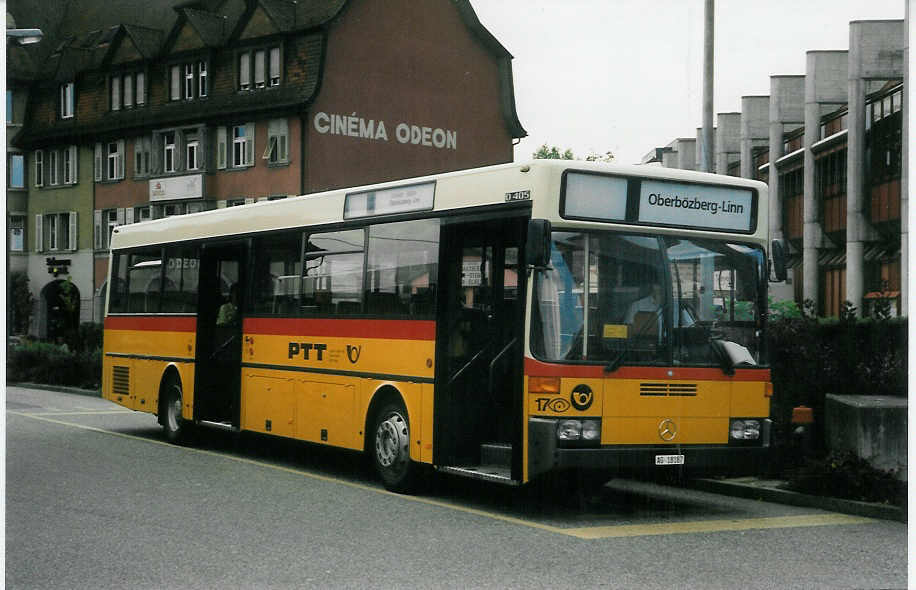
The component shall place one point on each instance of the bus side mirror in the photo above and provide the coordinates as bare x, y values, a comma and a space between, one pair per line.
537, 246
778, 256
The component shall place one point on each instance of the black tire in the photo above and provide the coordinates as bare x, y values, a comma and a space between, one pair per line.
177, 429
390, 448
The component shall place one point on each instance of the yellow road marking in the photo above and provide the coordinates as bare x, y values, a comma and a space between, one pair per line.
72, 413
588, 533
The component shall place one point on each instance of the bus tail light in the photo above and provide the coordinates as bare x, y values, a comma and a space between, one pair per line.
768, 392
544, 384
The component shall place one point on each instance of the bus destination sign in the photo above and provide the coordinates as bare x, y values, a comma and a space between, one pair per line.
695, 205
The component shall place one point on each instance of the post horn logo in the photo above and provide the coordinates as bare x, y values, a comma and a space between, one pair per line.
353, 352
582, 397
667, 429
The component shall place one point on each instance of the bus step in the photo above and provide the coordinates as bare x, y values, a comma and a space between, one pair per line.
228, 427
496, 454
491, 473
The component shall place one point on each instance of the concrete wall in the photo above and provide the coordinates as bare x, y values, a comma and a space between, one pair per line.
872, 427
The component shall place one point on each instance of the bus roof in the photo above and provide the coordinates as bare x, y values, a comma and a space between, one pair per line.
537, 182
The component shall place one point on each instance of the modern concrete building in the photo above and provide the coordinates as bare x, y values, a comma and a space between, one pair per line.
829, 144
147, 110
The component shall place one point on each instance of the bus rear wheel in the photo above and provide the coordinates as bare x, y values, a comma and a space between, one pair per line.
391, 449
176, 427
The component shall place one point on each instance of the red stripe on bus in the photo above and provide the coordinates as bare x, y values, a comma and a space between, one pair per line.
536, 368
152, 323
355, 328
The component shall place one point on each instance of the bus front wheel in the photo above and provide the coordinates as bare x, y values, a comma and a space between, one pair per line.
391, 449
176, 427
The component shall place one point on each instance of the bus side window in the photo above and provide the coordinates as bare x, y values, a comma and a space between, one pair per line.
182, 267
277, 275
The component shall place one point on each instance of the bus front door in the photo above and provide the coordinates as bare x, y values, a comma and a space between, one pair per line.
479, 377
217, 390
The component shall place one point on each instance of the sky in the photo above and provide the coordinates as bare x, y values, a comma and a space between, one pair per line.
626, 75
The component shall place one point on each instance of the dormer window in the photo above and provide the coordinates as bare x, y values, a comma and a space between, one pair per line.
188, 81
259, 68
127, 91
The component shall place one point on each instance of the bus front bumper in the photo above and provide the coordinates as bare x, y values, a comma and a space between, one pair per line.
546, 455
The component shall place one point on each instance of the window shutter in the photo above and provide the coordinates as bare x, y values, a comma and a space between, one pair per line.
74, 165
121, 216
179, 155
155, 154
122, 153
97, 229
221, 148
203, 144
249, 144
39, 234
74, 243
129, 215
98, 162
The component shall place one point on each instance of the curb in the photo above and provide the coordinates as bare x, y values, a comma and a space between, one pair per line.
756, 489
58, 388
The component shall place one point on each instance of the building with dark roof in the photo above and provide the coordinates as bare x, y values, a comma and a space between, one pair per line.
145, 110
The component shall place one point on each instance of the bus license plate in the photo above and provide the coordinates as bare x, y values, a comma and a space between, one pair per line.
669, 459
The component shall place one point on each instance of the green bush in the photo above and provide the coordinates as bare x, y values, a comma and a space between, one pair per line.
52, 364
812, 357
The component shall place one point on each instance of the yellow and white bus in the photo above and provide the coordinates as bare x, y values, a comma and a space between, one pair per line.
500, 323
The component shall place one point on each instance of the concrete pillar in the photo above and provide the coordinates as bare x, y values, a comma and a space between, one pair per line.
755, 130
728, 140
875, 55
686, 153
787, 96
699, 148
825, 90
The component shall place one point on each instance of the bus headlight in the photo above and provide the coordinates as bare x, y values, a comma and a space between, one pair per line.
569, 430
591, 430
586, 430
744, 429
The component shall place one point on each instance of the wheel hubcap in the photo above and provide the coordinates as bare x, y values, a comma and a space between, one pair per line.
391, 440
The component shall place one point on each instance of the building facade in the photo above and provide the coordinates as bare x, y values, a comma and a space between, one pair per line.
833, 162
144, 112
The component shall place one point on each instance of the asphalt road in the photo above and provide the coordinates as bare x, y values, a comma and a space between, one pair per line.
95, 499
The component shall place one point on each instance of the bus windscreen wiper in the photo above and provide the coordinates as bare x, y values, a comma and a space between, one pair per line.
614, 364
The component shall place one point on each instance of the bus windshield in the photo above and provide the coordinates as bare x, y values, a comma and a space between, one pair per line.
650, 300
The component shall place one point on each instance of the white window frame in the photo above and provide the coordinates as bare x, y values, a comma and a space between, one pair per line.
245, 70
115, 93
52, 232
192, 152
115, 158
17, 221
202, 81
169, 163
70, 172
141, 88
128, 91
188, 81
66, 100
175, 82
274, 66
242, 145
21, 159
277, 151
54, 171
39, 158
260, 75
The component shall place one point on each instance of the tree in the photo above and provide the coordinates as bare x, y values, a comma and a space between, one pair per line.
21, 302
546, 152
552, 153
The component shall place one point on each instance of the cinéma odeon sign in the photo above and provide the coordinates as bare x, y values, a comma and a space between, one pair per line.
377, 130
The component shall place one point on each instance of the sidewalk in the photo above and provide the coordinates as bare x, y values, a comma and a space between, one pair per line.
59, 388
771, 490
